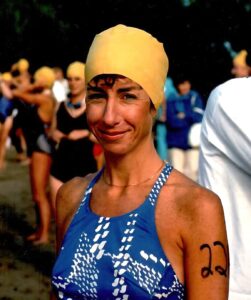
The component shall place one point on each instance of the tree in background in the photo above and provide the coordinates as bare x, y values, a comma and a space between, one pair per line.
193, 31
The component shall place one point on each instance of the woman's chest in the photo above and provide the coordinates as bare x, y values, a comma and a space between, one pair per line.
123, 250
116, 202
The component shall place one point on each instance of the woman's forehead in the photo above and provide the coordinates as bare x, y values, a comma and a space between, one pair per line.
113, 80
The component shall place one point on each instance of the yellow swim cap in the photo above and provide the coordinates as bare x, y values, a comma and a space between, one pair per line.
76, 69
6, 76
45, 75
133, 53
23, 65
240, 58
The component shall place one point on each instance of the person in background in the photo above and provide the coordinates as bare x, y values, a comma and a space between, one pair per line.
21, 77
98, 154
60, 87
225, 168
73, 155
39, 96
6, 118
160, 129
240, 66
9, 111
137, 229
183, 110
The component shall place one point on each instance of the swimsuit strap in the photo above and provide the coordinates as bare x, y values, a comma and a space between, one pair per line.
153, 196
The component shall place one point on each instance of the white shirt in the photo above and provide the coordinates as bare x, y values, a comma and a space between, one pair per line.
225, 168
60, 90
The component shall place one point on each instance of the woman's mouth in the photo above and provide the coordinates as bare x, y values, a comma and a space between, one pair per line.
111, 135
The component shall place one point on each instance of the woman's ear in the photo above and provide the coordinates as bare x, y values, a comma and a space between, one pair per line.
153, 110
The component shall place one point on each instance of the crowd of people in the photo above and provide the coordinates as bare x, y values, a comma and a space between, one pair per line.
43, 116
149, 184
47, 125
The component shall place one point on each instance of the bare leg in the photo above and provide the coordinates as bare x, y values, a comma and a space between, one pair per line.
4, 133
21, 145
39, 173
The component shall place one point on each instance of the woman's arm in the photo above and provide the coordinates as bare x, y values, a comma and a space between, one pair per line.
81, 133
206, 257
57, 135
5, 90
30, 98
78, 134
68, 200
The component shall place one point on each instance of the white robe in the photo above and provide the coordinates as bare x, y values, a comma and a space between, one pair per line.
225, 168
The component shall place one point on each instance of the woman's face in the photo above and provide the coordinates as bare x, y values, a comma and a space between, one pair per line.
184, 87
119, 114
240, 71
76, 85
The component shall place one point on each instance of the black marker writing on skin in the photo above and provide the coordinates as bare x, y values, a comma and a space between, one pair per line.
208, 270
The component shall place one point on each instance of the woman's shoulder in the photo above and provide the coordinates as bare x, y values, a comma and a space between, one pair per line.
189, 213
190, 200
73, 190
69, 197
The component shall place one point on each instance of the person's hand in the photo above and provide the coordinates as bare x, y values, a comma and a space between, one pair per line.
78, 134
181, 115
57, 135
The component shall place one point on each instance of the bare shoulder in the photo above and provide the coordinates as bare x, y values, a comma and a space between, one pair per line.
198, 237
70, 193
69, 197
193, 205
189, 220
190, 195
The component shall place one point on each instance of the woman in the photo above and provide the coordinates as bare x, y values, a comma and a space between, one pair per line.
184, 110
138, 229
6, 118
73, 155
40, 98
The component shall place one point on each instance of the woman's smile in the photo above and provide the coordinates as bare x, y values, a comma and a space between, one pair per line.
111, 135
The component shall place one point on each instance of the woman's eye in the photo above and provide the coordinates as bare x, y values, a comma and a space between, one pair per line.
95, 97
129, 97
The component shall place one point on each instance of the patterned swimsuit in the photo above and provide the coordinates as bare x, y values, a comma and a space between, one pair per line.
115, 257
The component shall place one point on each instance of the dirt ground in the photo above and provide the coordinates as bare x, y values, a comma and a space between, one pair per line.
24, 269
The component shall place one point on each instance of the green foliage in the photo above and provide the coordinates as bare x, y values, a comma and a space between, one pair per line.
46, 10
17, 13
187, 3
56, 32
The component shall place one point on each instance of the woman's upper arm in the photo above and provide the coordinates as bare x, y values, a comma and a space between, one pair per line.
67, 202
37, 99
68, 199
206, 257
61, 215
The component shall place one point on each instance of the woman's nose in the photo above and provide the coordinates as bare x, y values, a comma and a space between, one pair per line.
111, 112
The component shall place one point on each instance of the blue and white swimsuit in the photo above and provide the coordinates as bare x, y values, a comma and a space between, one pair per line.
116, 258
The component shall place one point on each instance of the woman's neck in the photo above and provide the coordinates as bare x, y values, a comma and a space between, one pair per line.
131, 169
77, 98
76, 102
